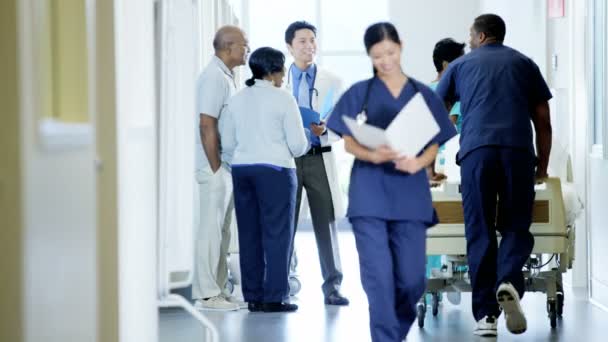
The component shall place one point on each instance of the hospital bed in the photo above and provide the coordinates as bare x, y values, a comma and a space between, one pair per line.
553, 252
556, 208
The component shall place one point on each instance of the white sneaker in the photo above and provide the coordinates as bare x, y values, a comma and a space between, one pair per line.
235, 300
508, 299
217, 303
486, 327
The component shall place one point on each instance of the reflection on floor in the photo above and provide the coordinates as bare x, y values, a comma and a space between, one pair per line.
317, 322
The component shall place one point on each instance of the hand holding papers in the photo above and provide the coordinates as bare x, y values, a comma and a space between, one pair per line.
412, 128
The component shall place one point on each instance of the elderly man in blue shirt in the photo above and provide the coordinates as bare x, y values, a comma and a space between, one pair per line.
501, 91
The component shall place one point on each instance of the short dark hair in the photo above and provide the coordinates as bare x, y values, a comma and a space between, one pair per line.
264, 61
446, 50
492, 25
290, 33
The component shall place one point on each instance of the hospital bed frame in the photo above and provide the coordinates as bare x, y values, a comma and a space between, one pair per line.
553, 238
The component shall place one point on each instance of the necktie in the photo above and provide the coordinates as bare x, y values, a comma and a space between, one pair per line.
303, 92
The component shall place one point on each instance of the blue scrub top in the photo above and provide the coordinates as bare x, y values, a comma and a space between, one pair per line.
381, 191
498, 88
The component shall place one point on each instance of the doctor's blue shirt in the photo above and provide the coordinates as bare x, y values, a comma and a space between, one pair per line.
296, 75
382, 191
498, 89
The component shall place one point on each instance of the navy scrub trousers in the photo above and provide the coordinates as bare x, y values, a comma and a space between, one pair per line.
264, 202
497, 195
392, 259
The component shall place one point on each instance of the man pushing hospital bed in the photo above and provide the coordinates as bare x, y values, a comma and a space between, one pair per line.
556, 207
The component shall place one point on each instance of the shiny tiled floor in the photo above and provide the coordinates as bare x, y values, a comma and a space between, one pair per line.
317, 322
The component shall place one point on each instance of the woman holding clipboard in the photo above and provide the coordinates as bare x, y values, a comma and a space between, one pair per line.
390, 205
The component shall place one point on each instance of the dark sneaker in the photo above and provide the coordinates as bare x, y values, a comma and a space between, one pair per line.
279, 307
255, 307
336, 299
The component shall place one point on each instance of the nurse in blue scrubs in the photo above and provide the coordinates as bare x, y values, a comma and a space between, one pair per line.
503, 96
390, 204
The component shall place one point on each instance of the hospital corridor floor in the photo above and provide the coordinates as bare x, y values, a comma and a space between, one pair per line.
316, 322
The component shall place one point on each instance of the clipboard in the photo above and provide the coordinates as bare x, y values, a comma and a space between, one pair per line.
309, 116
409, 132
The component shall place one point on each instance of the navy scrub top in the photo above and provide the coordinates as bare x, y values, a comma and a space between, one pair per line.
498, 88
381, 191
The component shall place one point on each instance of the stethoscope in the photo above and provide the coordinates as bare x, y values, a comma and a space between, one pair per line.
313, 91
361, 118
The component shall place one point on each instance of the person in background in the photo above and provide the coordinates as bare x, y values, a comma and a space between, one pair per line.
445, 51
262, 131
312, 87
215, 86
390, 206
501, 91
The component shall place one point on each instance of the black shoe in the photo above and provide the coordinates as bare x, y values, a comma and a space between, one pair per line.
279, 307
336, 299
254, 307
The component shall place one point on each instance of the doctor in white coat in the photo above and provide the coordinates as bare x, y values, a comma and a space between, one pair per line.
316, 89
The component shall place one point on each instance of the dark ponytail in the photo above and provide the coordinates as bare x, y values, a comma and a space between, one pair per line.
379, 32
264, 61
250, 82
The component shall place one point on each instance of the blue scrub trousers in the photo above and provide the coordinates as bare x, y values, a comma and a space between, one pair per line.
497, 195
392, 257
264, 202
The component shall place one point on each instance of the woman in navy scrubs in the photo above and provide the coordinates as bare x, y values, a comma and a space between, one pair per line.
390, 204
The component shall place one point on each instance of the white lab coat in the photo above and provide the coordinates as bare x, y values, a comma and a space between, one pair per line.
325, 81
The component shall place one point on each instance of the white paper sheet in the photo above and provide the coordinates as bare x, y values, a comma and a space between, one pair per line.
413, 127
367, 135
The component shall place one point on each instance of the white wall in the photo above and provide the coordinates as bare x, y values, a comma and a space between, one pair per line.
566, 40
598, 188
422, 25
598, 234
526, 26
137, 165
59, 215
579, 91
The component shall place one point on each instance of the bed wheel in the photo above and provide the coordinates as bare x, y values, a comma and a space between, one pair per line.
560, 304
421, 313
552, 310
435, 303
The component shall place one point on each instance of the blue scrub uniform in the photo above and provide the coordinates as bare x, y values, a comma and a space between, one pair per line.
498, 88
390, 211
